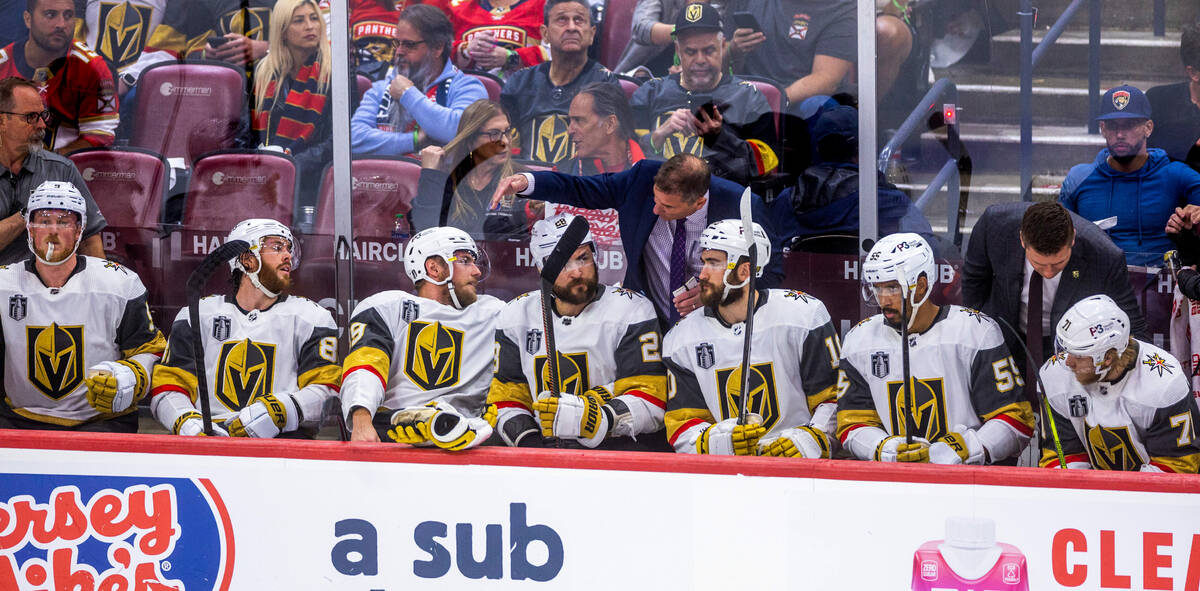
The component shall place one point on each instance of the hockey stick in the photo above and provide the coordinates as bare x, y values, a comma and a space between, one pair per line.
558, 258
1047, 417
752, 251
910, 419
196, 283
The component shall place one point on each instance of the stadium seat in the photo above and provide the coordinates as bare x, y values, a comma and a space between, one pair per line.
232, 185
490, 82
615, 31
174, 99
629, 85
382, 188
362, 85
774, 95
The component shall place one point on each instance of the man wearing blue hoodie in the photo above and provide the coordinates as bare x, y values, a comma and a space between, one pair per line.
422, 97
1129, 190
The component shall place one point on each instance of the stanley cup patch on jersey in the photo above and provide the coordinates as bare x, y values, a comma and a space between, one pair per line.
245, 369
533, 341
880, 366
930, 416
221, 326
18, 305
764, 398
55, 355
705, 356
573, 375
410, 311
1112, 448
433, 356
124, 28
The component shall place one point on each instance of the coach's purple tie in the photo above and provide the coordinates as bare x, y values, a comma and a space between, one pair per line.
1033, 336
678, 263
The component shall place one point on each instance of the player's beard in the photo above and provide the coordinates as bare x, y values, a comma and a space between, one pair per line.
59, 252
895, 320
579, 291
273, 281
710, 294
465, 294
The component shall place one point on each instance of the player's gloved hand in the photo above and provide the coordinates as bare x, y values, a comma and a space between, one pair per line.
267, 416
728, 438
797, 442
957, 447
191, 424
894, 449
568, 416
441, 424
112, 386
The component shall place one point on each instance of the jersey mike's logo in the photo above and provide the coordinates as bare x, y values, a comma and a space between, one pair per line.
572, 373
1112, 448
433, 357
106, 532
124, 28
763, 396
250, 22
55, 355
551, 144
930, 410
245, 370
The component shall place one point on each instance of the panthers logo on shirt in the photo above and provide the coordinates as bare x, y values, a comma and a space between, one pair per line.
1111, 448
433, 357
551, 144
764, 397
245, 369
250, 22
55, 355
124, 28
572, 373
930, 415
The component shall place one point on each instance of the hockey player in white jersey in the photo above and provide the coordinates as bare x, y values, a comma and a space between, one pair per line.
78, 341
270, 357
793, 361
1117, 403
419, 365
968, 407
611, 377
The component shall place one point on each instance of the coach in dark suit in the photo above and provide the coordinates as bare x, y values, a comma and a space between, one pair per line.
1018, 249
651, 199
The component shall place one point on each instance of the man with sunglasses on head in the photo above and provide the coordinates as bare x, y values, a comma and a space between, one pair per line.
24, 165
420, 364
270, 357
421, 99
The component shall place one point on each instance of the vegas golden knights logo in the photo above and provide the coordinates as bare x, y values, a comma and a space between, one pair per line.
572, 373
1111, 448
124, 28
764, 399
433, 357
55, 355
693, 12
678, 143
245, 369
930, 415
550, 141
250, 22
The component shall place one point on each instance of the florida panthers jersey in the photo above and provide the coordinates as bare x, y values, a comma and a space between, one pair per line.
963, 376
932, 572
612, 344
407, 350
51, 336
1144, 421
793, 364
517, 27
284, 349
78, 91
118, 30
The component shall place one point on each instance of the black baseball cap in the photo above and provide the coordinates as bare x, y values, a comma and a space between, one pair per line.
698, 17
1124, 102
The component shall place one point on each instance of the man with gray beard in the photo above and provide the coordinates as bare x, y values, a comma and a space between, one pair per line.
420, 100
26, 165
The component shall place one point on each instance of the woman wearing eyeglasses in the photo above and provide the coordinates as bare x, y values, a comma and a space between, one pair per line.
457, 181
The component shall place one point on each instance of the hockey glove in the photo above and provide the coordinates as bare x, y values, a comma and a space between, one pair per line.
894, 449
191, 424
441, 424
574, 417
268, 416
113, 386
797, 442
728, 438
957, 448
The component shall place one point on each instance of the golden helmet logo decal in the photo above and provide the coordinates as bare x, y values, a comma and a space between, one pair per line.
55, 357
1112, 448
433, 355
693, 13
551, 142
250, 22
763, 396
930, 408
124, 28
572, 373
245, 369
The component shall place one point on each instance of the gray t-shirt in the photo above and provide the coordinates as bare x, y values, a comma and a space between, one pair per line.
40, 166
797, 31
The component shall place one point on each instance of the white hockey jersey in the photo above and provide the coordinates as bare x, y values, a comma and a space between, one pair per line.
1144, 421
963, 376
613, 344
51, 336
284, 349
793, 359
406, 350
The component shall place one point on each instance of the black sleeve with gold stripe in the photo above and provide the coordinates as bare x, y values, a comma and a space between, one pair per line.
136, 333
855, 406
177, 370
509, 388
640, 370
997, 387
1072, 448
685, 401
371, 344
1171, 437
318, 359
819, 365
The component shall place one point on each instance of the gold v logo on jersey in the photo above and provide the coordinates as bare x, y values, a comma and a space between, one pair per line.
1111, 448
250, 22
930, 416
124, 28
764, 398
551, 144
572, 373
433, 357
679, 143
245, 369
55, 356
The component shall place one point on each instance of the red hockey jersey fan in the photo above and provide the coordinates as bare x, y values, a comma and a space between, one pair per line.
517, 27
77, 89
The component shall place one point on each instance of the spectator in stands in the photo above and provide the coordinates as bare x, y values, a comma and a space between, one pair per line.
500, 35
703, 111
118, 31
75, 83
189, 28
601, 129
538, 97
421, 100
291, 90
652, 43
1130, 190
457, 181
26, 165
1176, 107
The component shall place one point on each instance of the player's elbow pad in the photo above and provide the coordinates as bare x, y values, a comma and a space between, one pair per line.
1001, 440
518, 428
167, 407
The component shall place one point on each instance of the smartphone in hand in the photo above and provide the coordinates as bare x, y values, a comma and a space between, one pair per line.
746, 20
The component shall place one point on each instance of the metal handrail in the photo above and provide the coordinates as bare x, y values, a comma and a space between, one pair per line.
1160, 18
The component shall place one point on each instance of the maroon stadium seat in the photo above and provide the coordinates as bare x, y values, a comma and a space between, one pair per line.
629, 85
774, 95
616, 30
363, 84
490, 82
230, 186
382, 188
174, 99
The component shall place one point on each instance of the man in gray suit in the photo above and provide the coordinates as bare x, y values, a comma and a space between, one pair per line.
1066, 258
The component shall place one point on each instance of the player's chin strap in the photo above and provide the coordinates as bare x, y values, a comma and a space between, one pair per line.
254, 276
909, 293
50, 249
448, 281
725, 278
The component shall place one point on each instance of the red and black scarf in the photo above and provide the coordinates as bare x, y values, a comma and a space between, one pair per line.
292, 123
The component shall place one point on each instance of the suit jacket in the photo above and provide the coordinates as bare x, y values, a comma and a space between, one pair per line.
993, 272
631, 193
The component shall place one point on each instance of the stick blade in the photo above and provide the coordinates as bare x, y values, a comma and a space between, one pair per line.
571, 239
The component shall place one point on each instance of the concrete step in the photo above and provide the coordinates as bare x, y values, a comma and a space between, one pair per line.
1130, 16
1057, 100
1123, 55
985, 190
996, 148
